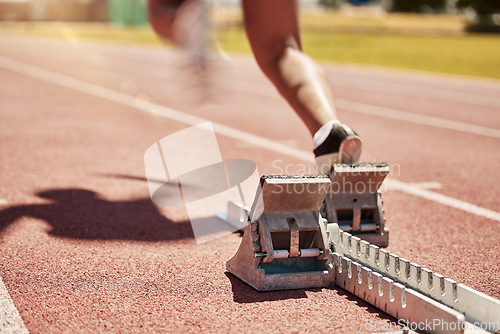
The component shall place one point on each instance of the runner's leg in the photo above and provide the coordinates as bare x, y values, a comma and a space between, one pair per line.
273, 31
162, 14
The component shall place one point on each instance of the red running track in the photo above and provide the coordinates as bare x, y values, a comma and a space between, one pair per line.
83, 248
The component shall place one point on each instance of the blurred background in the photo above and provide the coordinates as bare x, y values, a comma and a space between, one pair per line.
445, 36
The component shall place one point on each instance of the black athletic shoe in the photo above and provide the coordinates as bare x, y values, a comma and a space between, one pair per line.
342, 145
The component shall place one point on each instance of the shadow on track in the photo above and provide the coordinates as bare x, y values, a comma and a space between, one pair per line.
243, 293
82, 214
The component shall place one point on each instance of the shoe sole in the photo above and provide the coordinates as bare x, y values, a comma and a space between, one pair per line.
350, 150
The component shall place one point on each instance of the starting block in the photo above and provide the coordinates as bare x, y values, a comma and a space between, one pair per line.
355, 203
285, 243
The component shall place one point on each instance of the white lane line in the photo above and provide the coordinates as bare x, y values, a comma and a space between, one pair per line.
10, 319
372, 110
442, 199
129, 101
426, 185
405, 116
416, 91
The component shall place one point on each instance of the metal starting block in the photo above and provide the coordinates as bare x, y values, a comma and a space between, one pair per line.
288, 245
355, 203
285, 245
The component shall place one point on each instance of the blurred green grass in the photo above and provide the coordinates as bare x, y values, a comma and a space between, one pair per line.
470, 55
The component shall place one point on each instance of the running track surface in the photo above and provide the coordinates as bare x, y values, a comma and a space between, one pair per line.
83, 248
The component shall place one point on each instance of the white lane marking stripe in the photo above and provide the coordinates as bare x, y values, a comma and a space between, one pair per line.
442, 199
417, 92
10, 319
400, 115
222, 129
377, 111
372, 110
426, 185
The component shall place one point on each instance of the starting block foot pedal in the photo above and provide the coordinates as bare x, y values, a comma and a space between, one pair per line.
285, 244
355, 203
